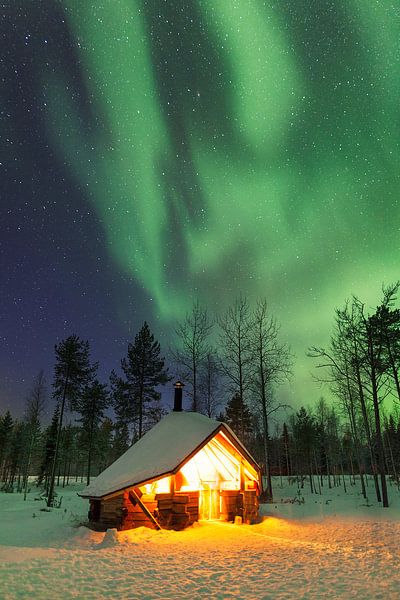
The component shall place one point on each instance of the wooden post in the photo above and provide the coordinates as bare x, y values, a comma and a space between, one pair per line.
134, 498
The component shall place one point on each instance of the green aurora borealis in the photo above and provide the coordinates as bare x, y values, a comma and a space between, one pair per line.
241, 146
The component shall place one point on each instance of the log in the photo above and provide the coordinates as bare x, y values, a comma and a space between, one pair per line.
192, 509
164, 496
164, 504
180, 521
180, 499
133, 496
179, 508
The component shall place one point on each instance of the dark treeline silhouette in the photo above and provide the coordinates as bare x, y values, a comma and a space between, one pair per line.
361, 366
232, 366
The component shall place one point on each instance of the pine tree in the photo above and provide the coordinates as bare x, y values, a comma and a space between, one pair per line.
144, 371
124, 408
91, 407
72, 372
67, 452
50, 437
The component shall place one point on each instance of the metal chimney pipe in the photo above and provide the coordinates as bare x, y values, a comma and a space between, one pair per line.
178, 396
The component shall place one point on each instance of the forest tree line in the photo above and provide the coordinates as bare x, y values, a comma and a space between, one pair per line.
232, 367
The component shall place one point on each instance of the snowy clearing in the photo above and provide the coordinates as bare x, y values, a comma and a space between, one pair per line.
331, 546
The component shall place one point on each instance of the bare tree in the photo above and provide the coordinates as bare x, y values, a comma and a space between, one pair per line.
193, 335
342, 365
357, 360
271, 365
210, 384
374, 368
235, 348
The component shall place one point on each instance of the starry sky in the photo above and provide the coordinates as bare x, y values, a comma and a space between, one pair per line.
158, 152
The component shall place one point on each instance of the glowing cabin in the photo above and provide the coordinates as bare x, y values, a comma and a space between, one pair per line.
187, 468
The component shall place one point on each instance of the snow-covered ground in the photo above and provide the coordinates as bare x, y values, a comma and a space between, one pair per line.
332, 546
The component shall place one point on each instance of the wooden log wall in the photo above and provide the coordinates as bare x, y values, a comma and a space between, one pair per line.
172, 511
111, 513
250, 507
231, 504
134, 515
178, 510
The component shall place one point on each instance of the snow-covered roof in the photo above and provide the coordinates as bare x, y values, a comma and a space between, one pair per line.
157, 453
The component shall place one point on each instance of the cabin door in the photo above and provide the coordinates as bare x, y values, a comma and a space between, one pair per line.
209, 504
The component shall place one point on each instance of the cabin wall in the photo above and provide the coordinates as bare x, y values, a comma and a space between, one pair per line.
106, 513
178, 510
134, 515
250, 507
172, 511
231, 504
244, 504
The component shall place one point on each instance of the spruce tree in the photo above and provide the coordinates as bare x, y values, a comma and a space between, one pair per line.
120, 442
16, 455
104, 444
239, 418
286, 446
305, 433
6, 428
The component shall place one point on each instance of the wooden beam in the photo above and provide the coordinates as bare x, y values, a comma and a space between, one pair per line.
134, 498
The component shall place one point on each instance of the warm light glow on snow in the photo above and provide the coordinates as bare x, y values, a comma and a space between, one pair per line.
333, 545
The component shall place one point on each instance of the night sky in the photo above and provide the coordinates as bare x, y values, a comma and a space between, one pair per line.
156, 152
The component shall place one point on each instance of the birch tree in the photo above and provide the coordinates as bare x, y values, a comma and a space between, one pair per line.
270, 365
192, 349
236, 352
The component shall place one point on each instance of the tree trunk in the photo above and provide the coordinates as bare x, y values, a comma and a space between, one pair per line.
90, 454
378, 432
53, 468
394, 470
367, 428
141, 402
